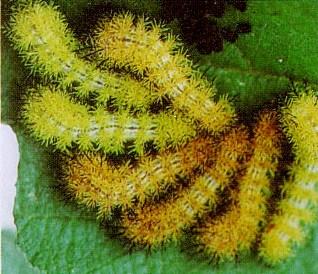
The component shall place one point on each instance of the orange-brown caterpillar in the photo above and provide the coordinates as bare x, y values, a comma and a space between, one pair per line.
226, 235
154, 224
94, 181
288, 227
141, 49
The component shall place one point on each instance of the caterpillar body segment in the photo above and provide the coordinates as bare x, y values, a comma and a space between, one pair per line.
298, 207
300, 123
93, 180
121, 32
154, 224
154, 176
141, 49
54, 118
236, 231
85, 176
41, 36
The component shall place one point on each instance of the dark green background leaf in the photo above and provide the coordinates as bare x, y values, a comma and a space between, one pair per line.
281, 47
59, 237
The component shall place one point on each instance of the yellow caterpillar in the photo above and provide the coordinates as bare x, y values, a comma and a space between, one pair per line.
141, 49
288, 226
54, 118
235, 231
154, 224
41, 36
94, 181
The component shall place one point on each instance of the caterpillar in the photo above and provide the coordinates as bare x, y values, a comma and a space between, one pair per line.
41, 36
54, 118
157, 223
95, 181
287, 228
225, 236
125, 44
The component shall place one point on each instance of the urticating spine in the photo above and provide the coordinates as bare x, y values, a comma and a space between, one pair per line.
168, 70
225, 236
40, 34
94, 181
54, 118
154, 224
288, 227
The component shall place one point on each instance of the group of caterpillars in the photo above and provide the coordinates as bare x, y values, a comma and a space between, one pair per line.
198, 151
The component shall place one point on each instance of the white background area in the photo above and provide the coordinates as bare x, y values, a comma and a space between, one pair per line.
9, 158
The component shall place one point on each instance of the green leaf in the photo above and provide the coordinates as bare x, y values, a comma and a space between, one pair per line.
59, 237
281, 47
13, 260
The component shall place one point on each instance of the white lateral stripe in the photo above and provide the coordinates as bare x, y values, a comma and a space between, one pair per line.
93, 129
283, 237
131, 189
210, 182
313, 168
200, 197
308, 185
188, 210
300, 204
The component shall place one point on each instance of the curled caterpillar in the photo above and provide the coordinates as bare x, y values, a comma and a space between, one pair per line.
154, 224
288, 227
235, 231
41, 36
94, 181
54, 118
141, 49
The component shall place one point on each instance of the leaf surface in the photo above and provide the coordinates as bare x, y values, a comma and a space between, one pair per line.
281, 47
